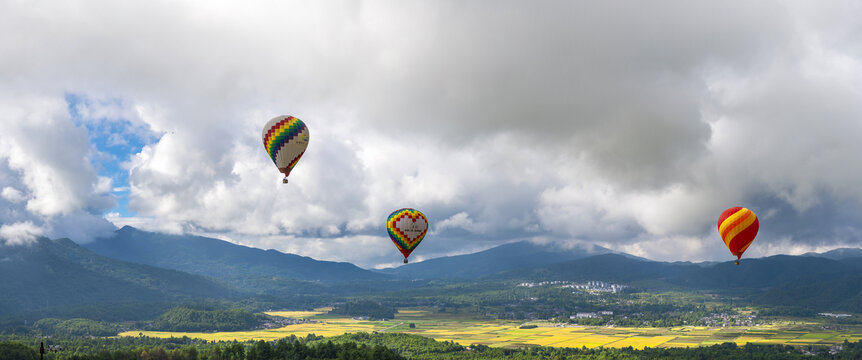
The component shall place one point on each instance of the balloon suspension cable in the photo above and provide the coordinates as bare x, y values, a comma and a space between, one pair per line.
405, 260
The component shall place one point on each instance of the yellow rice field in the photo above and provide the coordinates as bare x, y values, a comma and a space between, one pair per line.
467, 331
299, 314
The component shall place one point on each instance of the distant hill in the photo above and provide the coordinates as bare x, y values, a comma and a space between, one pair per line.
838, 254
757, 274
805, 283
222, 259
50, 275
604, 267
762, 273
842, 293
506, 257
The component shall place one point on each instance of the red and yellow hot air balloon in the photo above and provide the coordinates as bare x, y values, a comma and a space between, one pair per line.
406, 227
737, 227
285, 139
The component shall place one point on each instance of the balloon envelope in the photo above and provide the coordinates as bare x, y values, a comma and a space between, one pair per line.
285, 139
406, 227
738, 226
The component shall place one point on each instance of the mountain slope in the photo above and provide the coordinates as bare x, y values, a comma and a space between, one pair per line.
604, 267
844, 293
838, 254
221, 259
59, 273
506, 257
762, 273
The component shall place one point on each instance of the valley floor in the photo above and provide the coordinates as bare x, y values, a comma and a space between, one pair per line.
467, 330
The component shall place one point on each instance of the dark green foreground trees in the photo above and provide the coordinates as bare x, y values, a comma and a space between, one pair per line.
310, 347
75, 327
11, 350
384, 346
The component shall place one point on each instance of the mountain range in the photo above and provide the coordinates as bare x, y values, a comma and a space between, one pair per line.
511, 256
50, 274
219, 258
138, 267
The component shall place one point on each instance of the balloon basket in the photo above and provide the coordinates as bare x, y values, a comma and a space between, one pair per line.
284, 181
405, 260
736, 262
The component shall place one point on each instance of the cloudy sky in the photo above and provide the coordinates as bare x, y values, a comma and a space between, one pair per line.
631, 125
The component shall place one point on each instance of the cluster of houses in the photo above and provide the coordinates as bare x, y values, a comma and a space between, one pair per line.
543, 283
599, 286
725, 320
839, 316
591, 315
833, 350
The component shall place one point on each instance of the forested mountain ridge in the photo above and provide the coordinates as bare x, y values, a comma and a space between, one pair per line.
221, 259
838, 254
48, 274
813, 283
61, 274
507, 257
760, 273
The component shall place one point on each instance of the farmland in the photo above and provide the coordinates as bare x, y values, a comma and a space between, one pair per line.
466, 330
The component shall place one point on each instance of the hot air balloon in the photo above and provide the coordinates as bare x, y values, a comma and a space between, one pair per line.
285, 139
406, 228
737, 227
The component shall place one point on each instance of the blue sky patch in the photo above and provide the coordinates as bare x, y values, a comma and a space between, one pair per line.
115, 136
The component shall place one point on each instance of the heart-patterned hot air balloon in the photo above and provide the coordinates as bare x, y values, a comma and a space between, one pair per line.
285, 139
406, 227
738, 226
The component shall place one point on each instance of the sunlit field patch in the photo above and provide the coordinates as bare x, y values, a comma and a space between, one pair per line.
299, 314
467, 330
323, 329
742, 340
408, 312
803, 341
411, 314
547, 340
639, 342
821, 336
677, 345
589, 341
772, 341
688, 339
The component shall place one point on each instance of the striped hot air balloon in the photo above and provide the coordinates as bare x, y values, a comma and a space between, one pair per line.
737, 227
406, 227
285, 139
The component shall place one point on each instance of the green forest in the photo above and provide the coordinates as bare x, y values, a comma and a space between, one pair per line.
184, 318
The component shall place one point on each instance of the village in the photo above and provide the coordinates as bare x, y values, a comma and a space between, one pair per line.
589, 286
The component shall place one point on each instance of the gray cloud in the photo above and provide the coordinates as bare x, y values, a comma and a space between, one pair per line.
631, 125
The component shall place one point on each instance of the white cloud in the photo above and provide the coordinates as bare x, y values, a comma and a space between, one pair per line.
499, 120
42, 152
39, 141
460, 220
145, 223
13, 195
19, 233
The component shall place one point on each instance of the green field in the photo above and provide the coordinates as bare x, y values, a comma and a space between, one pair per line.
468, 330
